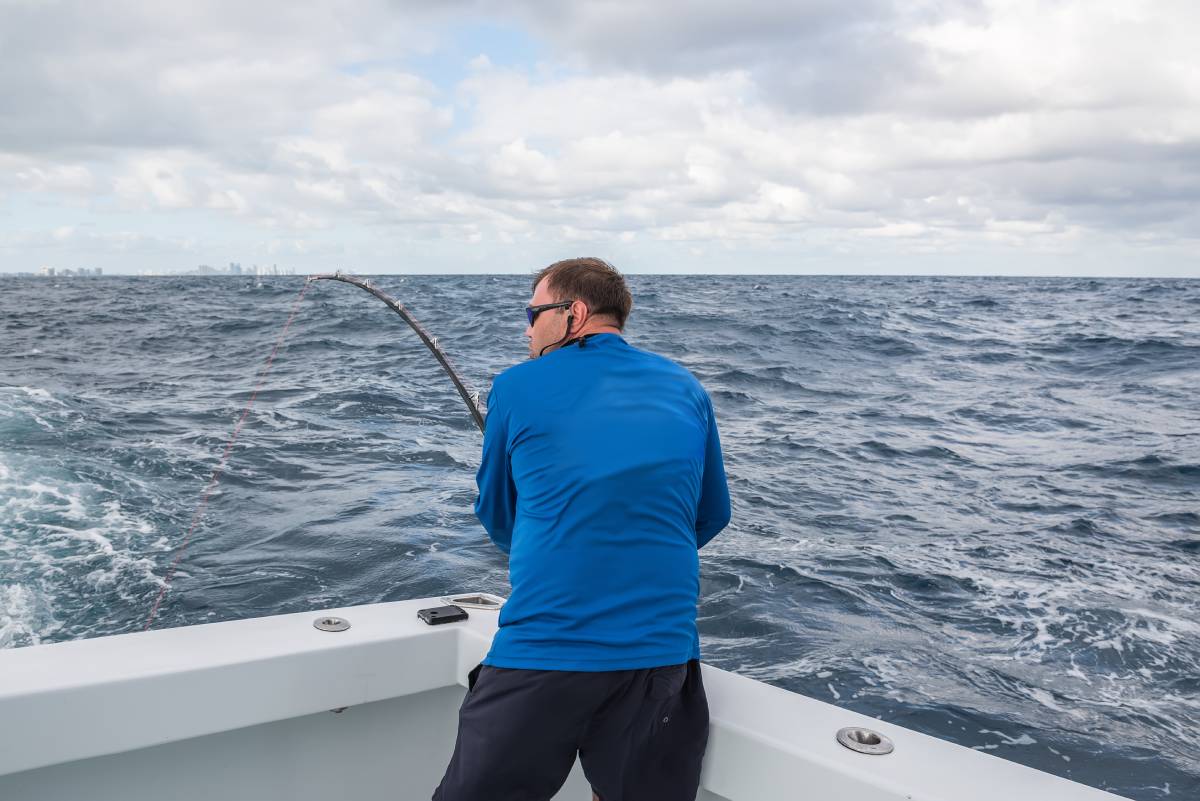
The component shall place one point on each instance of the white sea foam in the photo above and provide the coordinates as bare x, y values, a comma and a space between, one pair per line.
1045, 699
19, 617
93, 535
1023, 739
63, 539
40, 394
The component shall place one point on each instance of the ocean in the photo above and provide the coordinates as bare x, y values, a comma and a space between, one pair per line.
969, 506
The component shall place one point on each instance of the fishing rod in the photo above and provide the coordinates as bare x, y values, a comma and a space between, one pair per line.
469, 396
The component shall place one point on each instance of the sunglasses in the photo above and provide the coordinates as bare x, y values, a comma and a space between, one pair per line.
532, 312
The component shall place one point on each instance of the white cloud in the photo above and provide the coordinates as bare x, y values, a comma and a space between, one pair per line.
31, 177
917, 127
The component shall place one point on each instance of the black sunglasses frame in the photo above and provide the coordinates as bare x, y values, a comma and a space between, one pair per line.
532, 312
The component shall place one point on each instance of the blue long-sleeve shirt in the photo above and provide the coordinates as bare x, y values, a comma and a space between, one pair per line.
601, 478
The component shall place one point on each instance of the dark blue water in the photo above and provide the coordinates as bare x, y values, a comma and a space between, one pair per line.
968, 506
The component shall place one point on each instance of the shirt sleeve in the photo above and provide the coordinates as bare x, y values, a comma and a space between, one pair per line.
497, 504
712, 512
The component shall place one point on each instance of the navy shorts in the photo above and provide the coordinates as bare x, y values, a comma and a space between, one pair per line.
640, 734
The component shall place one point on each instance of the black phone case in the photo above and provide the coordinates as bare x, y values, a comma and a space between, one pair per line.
437, 615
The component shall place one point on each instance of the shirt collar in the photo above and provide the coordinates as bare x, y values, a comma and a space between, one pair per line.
591, 340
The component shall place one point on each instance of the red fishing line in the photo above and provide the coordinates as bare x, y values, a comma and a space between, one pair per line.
212, 482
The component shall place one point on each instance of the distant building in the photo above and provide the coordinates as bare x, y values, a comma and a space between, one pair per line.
66, 272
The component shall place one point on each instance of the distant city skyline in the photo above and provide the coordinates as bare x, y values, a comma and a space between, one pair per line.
231, 269
965, 137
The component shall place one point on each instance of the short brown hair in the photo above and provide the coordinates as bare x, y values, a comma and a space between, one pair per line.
594, 281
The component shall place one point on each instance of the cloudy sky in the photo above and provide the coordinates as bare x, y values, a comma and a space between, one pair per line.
814, 136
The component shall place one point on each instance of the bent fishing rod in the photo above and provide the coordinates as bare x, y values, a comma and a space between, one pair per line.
469, 396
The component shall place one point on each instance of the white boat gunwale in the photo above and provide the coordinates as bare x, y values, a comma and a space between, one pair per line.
85, 699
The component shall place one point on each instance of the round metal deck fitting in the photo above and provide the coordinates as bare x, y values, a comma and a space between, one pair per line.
865, 741
331, 623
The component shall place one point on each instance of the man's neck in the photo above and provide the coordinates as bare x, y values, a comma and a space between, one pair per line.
590, 329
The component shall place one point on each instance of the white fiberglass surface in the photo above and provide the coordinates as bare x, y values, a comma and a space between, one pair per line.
394, 750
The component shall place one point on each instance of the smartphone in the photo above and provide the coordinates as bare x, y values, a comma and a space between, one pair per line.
442, 614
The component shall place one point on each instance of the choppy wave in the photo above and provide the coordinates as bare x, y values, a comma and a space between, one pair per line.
969, 506
74, 551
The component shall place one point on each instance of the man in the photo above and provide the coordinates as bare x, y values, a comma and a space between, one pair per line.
601, 477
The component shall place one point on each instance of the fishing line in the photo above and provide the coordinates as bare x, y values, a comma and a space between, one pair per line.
212, 482
469, 396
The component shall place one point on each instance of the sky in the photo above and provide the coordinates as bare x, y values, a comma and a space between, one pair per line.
968, 137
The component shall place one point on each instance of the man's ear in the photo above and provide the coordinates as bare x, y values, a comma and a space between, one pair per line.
581, 312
